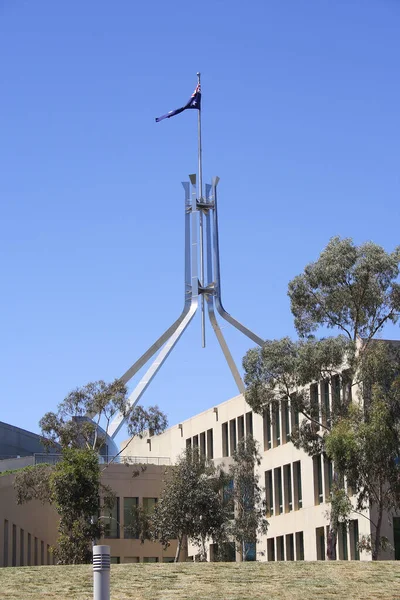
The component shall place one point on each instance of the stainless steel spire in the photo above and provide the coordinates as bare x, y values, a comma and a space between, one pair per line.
204, 286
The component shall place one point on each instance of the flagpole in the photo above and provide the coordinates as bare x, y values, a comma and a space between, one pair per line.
200, 198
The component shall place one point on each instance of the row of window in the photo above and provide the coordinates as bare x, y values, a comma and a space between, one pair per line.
112, 518
204, 441
347, 541
283, 489
235, 430
116, 560
26, 549
281, 418
286, 547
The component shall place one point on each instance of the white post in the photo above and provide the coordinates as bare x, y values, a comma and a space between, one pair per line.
101, 572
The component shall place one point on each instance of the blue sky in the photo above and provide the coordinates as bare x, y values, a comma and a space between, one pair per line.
300, 121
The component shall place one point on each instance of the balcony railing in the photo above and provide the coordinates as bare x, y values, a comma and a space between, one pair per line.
53, 459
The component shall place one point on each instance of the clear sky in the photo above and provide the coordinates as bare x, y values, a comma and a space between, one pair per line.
300, 120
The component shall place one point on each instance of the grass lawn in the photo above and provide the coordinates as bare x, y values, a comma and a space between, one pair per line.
203, 581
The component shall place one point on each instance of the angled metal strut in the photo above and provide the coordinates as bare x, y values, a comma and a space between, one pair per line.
199, 289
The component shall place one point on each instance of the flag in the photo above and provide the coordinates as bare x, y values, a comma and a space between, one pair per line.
194, 102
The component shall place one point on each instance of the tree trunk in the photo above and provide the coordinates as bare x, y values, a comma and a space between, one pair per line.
377, 541
332, 539
178, 548
203, 542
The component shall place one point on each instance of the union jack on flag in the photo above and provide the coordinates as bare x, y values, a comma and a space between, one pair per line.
194, 102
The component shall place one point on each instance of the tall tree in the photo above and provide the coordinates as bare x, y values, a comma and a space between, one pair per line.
190, 504
249, 506
352, 290
74, 485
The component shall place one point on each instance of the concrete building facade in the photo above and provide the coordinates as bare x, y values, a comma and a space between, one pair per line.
297, 487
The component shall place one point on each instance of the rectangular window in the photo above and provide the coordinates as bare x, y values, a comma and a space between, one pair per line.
354, 551
249, 423
195, 441
278, 491
314, 406
320, 542
210, 444
111, 521
240, 427
298, 497
287, 479
203, 443
271, 549
280, 548
342, 542
131, 559
335, 392
14, 546
149, 504
5, 543
150, 559
21, 547
48, 555
115, 560
269, 494
225, 444
276, 424
318, 489
29, 549
396, 537
294, 413
35, 552
267, 428
189, 443
228, 499
289, 547
232, 435
130, 504
326, 411
42, 553
168, 559
285, 421
328, 477
299, 545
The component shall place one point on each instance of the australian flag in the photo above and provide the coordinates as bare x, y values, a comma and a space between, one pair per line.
194, 102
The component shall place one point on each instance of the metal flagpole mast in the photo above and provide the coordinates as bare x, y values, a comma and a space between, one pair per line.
200, 198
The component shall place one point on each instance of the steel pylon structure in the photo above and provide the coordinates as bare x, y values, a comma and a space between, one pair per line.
202, 286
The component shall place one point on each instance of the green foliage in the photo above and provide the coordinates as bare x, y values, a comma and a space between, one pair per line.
33, 483
249, 504
349, 288
190, 504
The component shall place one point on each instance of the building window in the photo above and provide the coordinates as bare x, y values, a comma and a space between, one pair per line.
21, 547
354, 550
287, 479
271, 549
249, 423
189, 443
278, 491
294, 413
241, 428
318, 489
168, 559
285, 422
269, 494
14, 546
42, 553
130, 506
111, 521
267, 428
210, 444
195, 441
299, 545
326, 410
328, 477
280, 548
29, 548
35, 552
320, 542
225, 444
149, 504
115, 560
335, 392
48, 554
5, 543
298, 497
203, 443
250, 551
342, 542
396, 537
150, 559
232, 435
289, 547
131, 559
276, 423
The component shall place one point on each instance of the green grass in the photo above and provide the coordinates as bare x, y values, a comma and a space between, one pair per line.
206, 581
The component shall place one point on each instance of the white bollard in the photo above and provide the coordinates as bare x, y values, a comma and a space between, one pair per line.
101, 572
